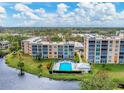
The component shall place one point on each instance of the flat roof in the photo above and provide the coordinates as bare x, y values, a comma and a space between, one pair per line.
41, 40
54, 43
4, 42
35, 39
102, 37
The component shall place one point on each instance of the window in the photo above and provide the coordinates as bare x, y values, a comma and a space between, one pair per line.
97, 53
50, 46
39, 46
97, 61
110, 41
110, 57
110, 45
34, 45
117, 41
109, 60
97, 58
116, 46
98, 42
98, 46
65, 46
110, 49
116, 50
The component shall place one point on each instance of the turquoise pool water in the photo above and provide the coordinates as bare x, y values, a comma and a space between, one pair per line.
65, 67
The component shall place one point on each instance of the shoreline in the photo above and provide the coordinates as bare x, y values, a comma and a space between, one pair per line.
27, 82
59, 77
64, 77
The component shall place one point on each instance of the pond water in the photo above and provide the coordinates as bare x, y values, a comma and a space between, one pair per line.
9, 80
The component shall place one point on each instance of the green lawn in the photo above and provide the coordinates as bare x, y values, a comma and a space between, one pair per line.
31, 66
116, 71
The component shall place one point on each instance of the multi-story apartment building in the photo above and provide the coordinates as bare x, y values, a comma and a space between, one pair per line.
4, 44
102, 49
43, 48
120, 33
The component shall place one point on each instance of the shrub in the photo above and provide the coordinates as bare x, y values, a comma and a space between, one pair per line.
48, 66
99, 81
55, 71
51, 66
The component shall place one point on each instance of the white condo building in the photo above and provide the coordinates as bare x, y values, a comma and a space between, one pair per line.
43, 48
101, 49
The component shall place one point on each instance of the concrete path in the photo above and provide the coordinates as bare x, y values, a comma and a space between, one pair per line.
79, 55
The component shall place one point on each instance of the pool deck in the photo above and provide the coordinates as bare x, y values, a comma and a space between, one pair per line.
57, 65
75, 66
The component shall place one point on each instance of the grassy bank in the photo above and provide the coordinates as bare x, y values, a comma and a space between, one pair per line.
3, 52
116, 71
31, 66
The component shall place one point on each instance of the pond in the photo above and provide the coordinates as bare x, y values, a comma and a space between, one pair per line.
9, 80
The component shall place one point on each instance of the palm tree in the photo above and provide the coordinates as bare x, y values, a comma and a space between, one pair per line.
1, 53
21, 67
40, 69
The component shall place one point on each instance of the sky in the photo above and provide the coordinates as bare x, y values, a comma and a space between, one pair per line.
62, 14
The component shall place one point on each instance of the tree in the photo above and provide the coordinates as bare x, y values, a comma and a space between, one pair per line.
40, 69
20, 56
99, 81
21, 67
14, 54
1, 53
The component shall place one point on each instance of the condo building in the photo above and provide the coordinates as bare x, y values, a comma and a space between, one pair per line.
4, 44
101, 49
42, 47
120, 33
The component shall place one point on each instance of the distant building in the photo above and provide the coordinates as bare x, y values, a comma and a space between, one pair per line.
60, 35
82, 34
120, 33
101, 49
4, 44
43, 48
78, 46
76, 35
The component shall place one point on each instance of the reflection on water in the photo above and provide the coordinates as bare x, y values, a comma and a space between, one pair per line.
9, 80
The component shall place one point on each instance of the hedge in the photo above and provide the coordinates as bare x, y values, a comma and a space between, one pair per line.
56, 71
51, 66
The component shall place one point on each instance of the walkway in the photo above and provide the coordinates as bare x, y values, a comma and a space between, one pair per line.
79, 55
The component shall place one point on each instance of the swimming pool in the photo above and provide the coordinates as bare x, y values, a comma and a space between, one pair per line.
65, 67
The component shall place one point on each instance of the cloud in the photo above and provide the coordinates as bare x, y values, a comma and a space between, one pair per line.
25, 12
121, 15
27, 3
96, 11
62, 8
17, 15
85, 14
2, 10
41, 11
22, 8
2, 13
32, 16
